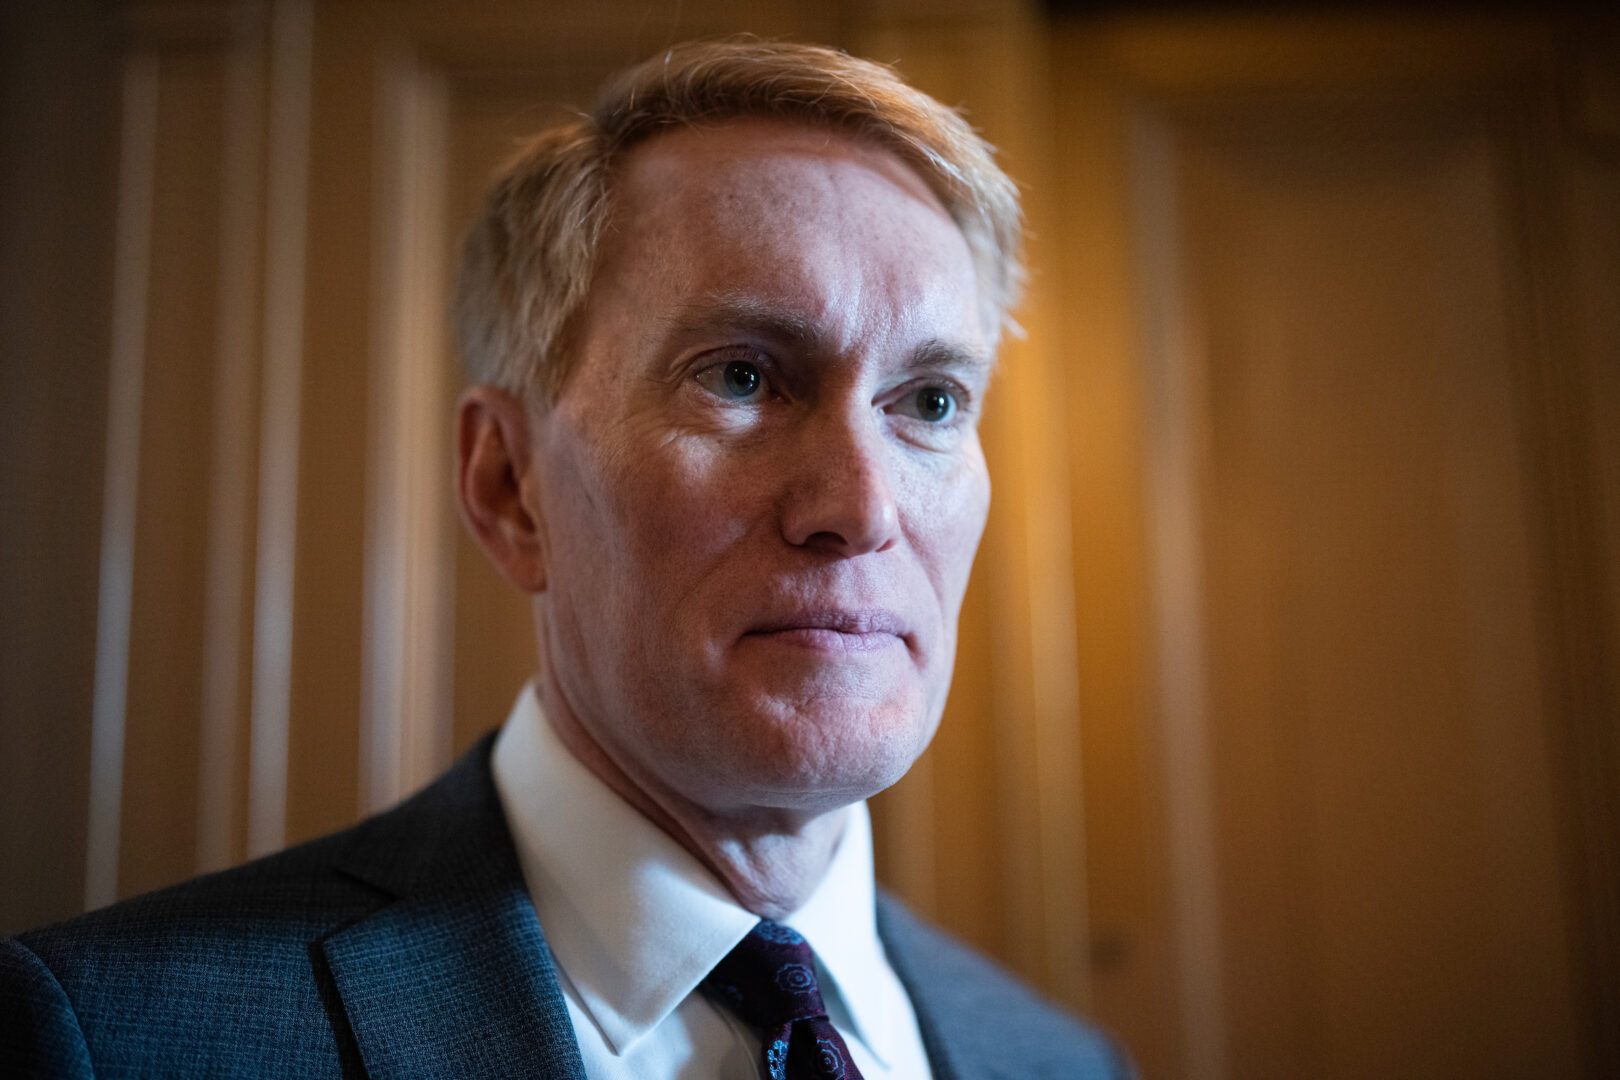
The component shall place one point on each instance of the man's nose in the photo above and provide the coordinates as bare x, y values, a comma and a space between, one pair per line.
842, 500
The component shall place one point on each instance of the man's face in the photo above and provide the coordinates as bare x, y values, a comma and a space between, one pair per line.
761, 487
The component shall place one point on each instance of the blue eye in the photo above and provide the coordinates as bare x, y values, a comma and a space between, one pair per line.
740, 378
935, 404
737, 380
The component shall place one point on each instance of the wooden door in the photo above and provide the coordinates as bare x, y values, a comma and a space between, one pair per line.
1367, 698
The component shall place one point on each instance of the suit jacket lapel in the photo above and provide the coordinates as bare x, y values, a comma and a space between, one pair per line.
965, 1039
977, 1022
906, 951
452, 977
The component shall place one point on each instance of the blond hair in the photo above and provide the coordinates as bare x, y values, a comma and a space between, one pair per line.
527, 260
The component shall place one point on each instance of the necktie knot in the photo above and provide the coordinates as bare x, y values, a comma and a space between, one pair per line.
769, 980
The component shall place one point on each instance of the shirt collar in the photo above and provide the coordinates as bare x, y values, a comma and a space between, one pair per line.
635, 921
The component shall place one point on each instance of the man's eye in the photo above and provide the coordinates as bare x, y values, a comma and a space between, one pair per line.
737, 380
936, 404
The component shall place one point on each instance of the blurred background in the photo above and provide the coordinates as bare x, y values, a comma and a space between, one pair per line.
1284, 740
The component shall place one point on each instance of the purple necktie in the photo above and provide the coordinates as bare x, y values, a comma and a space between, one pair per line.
769, 980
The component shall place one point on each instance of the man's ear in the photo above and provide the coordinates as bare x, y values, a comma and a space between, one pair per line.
496, 485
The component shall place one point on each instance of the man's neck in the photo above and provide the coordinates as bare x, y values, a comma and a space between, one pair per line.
770, 860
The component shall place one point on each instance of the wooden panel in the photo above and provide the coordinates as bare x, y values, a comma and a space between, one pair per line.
1386, 846
1594, 228
1133, 954
126, 366
165, 679
318, 311
1573, 276
59, 80
406, 677
223, 761
1287, 172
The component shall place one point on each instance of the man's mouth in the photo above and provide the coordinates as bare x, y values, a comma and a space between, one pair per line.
839, 631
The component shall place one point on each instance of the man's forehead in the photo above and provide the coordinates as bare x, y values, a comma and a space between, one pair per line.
791, 232
725, 163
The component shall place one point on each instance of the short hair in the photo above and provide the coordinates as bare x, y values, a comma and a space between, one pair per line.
528, 258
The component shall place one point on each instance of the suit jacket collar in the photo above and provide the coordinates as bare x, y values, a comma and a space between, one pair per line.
451, 976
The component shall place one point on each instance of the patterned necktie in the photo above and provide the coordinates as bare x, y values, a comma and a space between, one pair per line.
769, 980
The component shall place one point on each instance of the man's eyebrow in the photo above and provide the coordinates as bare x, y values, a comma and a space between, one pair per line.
749, 314
936, 354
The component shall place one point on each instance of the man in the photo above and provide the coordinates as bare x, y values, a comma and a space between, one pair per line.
729, 337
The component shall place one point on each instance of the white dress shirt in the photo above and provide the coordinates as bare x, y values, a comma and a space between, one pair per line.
635, 923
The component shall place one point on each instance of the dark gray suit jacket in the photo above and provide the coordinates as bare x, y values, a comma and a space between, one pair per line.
407, 946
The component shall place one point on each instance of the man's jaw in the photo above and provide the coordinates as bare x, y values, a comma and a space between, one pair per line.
770, 862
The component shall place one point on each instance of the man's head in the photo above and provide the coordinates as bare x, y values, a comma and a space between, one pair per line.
735, 329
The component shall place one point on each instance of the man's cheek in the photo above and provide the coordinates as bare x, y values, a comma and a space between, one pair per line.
699, 521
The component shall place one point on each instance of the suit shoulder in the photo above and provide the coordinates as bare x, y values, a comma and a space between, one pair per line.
973, 1010
233, 946
289, 889
201, 972
220, 971
39, 1033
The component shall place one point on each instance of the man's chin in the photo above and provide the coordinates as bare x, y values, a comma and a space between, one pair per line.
769, 793
818, 759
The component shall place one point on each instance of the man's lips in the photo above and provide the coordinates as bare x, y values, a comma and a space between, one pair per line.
835, 631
